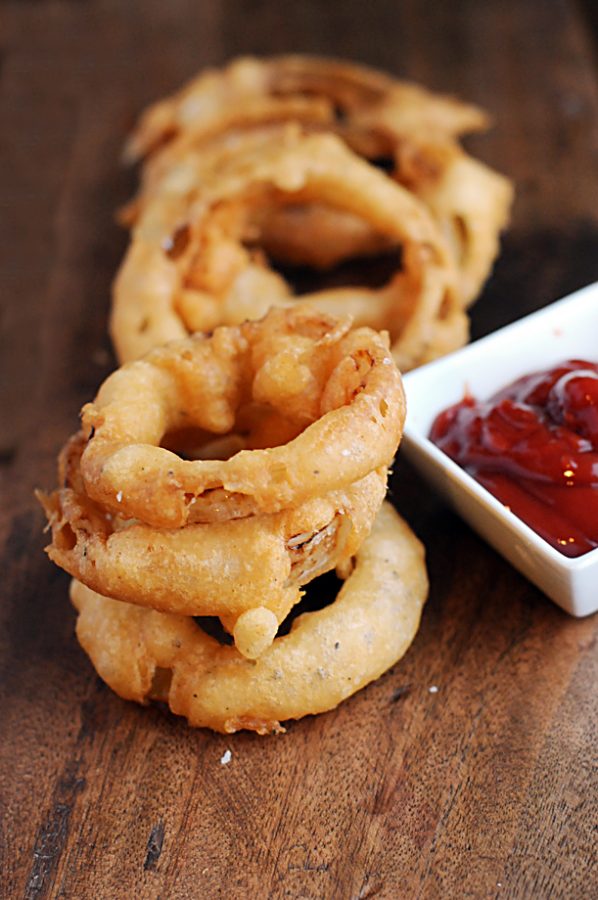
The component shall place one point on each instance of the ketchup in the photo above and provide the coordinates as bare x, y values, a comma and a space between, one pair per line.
534, 445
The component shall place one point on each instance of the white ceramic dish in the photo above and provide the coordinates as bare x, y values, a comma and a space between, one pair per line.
564, 330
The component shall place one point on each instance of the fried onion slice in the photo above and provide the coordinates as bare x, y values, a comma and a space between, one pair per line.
413, 132
336, 389
194, 261
327, 656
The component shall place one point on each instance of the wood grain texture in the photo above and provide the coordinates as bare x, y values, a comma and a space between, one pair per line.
486, 788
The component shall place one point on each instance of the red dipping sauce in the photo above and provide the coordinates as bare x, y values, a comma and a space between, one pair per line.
534, 445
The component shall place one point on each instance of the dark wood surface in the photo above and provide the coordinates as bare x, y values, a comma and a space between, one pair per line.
486, 788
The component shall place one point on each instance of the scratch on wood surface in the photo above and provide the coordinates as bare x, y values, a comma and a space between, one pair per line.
53, 833
369, 891
400, 692
154, 845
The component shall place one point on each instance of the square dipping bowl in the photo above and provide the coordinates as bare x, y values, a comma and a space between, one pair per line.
567, 329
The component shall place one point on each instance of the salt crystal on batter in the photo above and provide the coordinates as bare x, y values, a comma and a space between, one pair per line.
226, 758
119, 497
433, 689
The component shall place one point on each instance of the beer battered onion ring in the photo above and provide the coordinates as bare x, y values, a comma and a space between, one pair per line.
379, 117
218, 569
327, 656
190, 266
338, 391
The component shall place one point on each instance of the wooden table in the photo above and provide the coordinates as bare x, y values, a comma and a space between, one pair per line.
483, 789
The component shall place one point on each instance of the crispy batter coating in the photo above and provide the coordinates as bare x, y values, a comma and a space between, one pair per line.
327, 656
336, 390
193, 135
212, 218
218, 569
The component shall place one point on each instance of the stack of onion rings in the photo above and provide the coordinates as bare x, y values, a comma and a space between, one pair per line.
327, 656
220, 474
242, 449
239, 170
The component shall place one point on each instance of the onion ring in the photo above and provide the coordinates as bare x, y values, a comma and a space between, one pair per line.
379, 118
327, 656
219, 569
338, 388
214, 278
